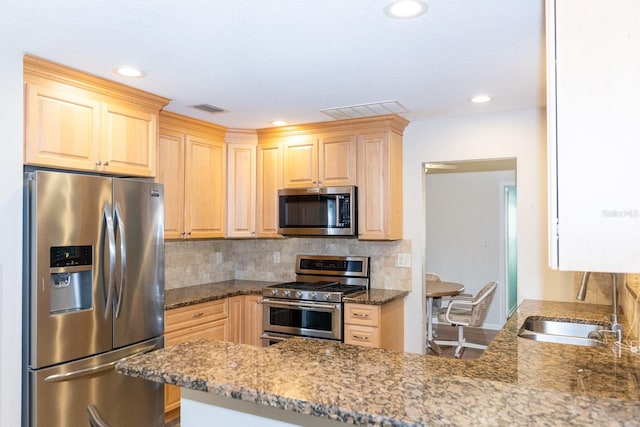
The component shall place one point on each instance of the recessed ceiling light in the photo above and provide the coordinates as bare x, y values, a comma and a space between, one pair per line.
479, 99
127, 71
279, 123
405, 9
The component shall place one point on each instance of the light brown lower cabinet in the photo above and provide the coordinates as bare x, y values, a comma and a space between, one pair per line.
205, 320
235, 319
245, 319
379, 326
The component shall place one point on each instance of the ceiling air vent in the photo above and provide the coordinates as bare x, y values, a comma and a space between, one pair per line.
365, 110
209, 108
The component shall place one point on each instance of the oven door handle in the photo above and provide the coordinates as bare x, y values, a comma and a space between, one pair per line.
267, 336
300, 304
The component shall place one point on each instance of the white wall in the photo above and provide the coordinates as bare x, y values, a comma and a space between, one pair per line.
519, 134
11, 232
465, 232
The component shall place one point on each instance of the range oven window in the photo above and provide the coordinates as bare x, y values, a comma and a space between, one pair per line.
300, 318
303, 318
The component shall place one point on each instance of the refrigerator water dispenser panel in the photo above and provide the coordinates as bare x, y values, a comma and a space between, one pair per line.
71, 269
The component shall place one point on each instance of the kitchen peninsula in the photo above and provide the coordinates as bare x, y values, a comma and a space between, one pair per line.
516, 381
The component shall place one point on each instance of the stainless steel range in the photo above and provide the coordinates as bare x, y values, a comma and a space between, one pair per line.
312, 305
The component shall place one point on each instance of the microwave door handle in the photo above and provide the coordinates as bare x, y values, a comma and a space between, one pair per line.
341, 201
337, 213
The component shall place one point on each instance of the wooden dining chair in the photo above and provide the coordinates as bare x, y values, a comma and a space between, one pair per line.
464, 311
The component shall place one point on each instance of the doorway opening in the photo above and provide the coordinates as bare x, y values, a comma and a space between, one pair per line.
511, 246
471, 228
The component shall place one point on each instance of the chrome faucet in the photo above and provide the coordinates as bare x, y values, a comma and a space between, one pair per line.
616, 328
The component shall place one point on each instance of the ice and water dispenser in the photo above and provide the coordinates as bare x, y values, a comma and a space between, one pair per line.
71, 269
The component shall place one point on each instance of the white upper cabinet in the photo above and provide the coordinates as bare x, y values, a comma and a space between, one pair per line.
593, 77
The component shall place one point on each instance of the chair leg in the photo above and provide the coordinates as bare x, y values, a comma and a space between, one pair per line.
461, 342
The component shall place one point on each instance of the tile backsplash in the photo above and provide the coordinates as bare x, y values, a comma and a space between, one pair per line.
598, 287
189, 263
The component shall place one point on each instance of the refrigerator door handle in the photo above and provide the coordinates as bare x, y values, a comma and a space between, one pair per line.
95, 420
95, 369
123, 260
111, 239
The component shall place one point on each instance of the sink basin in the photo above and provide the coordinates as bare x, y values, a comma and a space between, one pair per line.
565, 331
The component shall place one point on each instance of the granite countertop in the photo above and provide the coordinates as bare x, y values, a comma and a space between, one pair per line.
515, 382
174, 298
375, 296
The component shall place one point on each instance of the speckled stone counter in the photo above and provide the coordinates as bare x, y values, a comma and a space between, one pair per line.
375, 296
515, 382
174, 298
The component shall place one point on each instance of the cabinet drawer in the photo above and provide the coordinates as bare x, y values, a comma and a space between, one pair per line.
183, 317
368, 336
211, 330
362, 314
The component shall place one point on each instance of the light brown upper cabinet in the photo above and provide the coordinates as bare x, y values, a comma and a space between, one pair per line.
241, 183
269, 173
380, 186
363, 152
593, 60
77, 121
319, 160
192, 167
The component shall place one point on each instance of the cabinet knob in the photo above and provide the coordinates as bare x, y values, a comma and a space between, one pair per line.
106, 163
98, 163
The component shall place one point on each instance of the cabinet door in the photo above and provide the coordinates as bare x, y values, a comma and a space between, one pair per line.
62, 127
337, 160
594, 64
129, 138
300, 166
245, 319
205, 188
171, 175
236, 310
252, 314
380, 186
241, 196
269, 182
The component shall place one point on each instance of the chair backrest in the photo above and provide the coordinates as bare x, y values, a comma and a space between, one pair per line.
432, 277
481, 303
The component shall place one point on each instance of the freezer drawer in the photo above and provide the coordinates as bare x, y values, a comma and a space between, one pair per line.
89, 392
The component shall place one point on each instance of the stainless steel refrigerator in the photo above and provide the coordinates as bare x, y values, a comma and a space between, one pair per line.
94, 294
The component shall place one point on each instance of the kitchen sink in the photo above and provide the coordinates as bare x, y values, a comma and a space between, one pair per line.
563, 331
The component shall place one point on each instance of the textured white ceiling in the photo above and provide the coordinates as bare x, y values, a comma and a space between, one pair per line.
289, 59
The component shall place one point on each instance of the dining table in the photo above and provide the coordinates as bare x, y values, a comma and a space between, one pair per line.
438, 289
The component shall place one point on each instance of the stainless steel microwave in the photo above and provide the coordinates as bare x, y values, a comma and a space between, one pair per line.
318, 211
